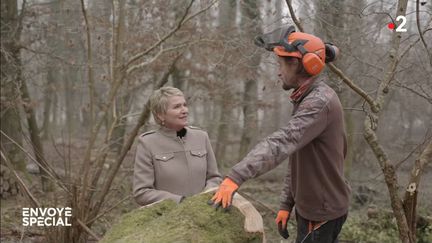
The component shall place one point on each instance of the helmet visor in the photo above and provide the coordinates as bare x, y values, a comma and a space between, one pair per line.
277, 37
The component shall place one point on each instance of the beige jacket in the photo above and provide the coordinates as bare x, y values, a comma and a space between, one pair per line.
169, 167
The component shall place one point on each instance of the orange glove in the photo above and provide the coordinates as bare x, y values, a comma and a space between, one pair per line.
224, 194
282, 223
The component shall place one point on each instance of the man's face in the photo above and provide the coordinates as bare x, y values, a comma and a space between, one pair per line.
288, 72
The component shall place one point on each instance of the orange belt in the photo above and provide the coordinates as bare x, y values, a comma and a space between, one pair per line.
313, 226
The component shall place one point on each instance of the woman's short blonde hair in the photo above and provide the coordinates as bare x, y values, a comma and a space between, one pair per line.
159, 100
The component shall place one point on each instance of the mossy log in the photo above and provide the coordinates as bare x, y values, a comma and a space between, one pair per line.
193, 220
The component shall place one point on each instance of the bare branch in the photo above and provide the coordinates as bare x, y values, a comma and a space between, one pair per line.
420, 32
86, 166
155, 57
89, 64
49, 171
389, 177
371, 13
164, 38
293, 16
64, 61
88, 230
20, 20
27, 192
408, 48
424, 96
398, 164
393, 57
411, 193
108, 210
424, 158
145, 63
354, 87
182, 21
403, 219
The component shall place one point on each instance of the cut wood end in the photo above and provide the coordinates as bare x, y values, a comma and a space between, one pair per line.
253, 220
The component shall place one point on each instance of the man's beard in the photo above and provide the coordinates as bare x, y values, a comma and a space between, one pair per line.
286, 86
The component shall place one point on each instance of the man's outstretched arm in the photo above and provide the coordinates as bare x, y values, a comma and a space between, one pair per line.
309, 121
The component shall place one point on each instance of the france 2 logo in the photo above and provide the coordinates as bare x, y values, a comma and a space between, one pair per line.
399, 27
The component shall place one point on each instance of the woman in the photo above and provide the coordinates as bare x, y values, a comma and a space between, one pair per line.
175, 160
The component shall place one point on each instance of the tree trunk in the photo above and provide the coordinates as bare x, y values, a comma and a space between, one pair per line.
250, 117
122, 106
10, 73
52, 67
251, 25
411, 193
38, 151
224, 100
72, 72
48, 103
223, 125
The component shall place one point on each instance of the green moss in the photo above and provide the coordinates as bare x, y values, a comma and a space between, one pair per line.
360, 229
381, 229
191, 221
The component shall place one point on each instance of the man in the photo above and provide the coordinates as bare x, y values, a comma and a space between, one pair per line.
314, 139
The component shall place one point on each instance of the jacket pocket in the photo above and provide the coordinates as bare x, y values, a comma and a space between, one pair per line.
164, 157
198, 153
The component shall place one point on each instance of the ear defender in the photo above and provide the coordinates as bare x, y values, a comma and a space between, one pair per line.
312, 63
331, 52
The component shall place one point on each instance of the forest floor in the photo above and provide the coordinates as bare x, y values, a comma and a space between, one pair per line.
369, 193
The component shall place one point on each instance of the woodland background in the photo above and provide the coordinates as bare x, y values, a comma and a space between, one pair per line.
76, 77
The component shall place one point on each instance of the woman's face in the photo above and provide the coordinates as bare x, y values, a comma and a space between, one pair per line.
176, 114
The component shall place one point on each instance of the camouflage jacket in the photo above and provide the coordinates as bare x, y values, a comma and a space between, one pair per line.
314, 139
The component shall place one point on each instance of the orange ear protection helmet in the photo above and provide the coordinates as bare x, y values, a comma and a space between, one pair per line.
309, 48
